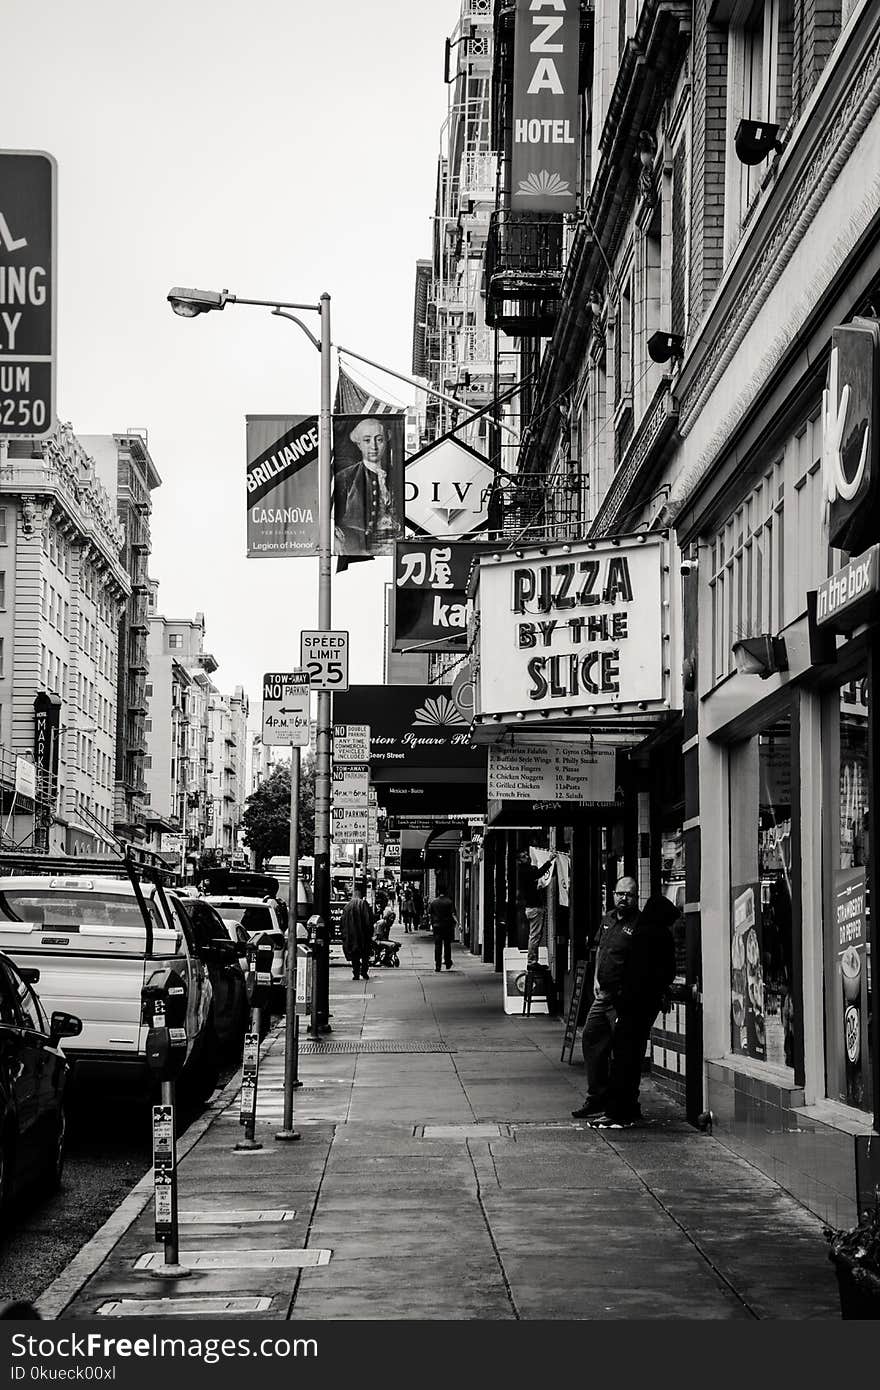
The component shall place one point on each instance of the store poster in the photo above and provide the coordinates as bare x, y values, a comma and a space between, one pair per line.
747, 1013
850, 999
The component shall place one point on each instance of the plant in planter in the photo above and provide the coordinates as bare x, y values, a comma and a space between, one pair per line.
855, 1255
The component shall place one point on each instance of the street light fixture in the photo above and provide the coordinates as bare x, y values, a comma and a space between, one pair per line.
189, 303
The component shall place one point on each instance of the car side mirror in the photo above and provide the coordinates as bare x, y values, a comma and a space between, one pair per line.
220, 951
63, 1025
30, 974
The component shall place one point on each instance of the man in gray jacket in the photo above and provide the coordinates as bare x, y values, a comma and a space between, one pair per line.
612, 949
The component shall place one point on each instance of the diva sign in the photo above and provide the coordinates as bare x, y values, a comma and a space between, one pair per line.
574, 629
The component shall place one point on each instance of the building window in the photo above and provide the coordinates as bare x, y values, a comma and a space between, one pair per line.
761, 962
148, 761
2, 588
175, 640
148, 690
3, 536
848, 1021
2, 661
759, 88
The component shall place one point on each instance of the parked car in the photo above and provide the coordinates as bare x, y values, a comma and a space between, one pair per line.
226, 970
258, 919
96, 950
33, 1076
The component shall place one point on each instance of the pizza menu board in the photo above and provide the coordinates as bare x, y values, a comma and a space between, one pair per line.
541, 770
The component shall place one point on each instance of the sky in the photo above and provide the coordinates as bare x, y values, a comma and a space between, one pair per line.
277, 149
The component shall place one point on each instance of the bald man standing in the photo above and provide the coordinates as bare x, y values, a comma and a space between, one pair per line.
612, 949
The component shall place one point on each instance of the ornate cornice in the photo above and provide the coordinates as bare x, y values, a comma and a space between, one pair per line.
643, 452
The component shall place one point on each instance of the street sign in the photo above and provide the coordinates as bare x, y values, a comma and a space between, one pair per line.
350, 825
351, 743
351, 785
286, 708
325, 656
27, 293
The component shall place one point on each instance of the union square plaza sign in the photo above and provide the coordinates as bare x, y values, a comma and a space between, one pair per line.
574, 629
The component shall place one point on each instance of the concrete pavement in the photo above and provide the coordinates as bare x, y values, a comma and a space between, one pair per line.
440, 1175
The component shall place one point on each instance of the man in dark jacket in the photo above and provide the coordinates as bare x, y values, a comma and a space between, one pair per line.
647, 975
612, 948
441, 915
356, 930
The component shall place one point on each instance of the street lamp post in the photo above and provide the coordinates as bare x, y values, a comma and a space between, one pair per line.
189, 303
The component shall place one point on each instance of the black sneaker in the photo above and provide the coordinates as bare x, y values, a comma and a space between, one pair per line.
611, 1122
587, 1112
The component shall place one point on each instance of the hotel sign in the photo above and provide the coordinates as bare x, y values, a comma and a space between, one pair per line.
574, 629
842, 600
545, 105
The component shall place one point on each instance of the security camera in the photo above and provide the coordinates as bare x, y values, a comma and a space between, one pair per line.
688, 566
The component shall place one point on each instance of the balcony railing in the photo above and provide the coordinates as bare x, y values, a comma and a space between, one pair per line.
524, 262
541, 506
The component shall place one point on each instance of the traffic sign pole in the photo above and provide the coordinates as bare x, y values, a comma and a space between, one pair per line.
291, 1032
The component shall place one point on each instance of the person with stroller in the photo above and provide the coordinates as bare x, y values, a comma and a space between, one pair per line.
356, 930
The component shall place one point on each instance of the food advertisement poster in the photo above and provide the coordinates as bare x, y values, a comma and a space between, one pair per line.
748, 1030
849, 995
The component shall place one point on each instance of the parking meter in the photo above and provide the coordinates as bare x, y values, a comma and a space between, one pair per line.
259, 959
163, 1010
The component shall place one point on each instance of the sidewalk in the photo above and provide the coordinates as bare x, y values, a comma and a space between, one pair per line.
440, 1175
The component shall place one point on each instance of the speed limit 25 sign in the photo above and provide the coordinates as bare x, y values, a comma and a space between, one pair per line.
27, 294
325, 656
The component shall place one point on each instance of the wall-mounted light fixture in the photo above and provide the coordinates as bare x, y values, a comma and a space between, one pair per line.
595, 303
755, 140
663, 346
760, 656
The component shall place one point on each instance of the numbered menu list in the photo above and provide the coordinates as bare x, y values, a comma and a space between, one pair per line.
558, 771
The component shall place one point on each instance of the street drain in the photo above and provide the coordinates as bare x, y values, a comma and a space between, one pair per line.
239, 1259
180, 1307
373, 1045
475, 1131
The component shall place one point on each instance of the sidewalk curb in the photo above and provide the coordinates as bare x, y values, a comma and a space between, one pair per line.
66, 1285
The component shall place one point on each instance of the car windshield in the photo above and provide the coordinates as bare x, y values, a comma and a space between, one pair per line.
71, 910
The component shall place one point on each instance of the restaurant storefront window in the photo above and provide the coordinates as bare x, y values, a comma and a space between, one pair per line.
761, 999
847, 945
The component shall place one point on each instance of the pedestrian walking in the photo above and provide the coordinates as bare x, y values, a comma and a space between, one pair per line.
356, 930
648, 972
406, 909
441, 915
613, 943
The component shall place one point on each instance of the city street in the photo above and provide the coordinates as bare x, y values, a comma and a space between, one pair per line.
440, 1175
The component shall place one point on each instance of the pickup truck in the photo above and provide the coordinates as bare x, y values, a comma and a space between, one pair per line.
88, 937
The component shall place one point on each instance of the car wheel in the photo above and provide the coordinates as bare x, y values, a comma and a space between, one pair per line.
207, 1068
56, 1153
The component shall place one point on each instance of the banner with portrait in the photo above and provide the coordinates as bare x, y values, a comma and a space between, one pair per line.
367, 467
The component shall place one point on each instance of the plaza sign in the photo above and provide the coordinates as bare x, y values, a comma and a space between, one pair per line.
574, 629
